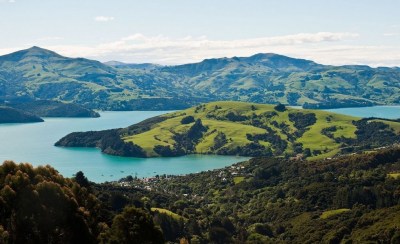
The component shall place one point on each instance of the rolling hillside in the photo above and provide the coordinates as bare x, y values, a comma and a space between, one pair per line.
237, 128
37, 73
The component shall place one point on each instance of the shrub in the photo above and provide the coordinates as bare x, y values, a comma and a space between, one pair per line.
187, 120
280, 107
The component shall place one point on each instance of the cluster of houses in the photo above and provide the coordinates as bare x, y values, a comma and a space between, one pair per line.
153, 183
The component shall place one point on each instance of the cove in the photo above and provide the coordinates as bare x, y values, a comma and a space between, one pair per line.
33, 143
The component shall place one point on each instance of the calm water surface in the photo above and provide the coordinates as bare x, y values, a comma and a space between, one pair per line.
388, 112
34, 143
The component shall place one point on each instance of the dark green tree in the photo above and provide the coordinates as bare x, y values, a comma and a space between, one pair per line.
187, 120
81, 179
280, 107
134, 225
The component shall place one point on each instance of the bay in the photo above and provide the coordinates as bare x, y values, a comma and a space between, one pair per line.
386, 112
34, 143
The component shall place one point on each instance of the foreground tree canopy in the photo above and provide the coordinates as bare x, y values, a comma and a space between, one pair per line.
38, 205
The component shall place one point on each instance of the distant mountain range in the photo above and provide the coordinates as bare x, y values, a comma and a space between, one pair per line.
36, 73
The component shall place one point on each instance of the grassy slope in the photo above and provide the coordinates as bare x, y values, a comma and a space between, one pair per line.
329, 213
314, 140
168, 212
394, 125
162, 133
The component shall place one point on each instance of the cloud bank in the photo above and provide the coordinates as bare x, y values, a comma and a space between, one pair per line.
323, 47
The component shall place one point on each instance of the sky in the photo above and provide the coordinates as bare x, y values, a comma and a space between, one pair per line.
171, 32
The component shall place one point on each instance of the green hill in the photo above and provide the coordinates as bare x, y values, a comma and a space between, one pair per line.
41, 74
237, 128
12, 115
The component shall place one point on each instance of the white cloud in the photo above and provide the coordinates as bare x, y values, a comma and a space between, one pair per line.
323, 47
103, 18
7, 1
162, 49
391, 34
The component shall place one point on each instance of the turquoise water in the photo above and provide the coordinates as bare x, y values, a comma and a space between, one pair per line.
387, 112
34, 142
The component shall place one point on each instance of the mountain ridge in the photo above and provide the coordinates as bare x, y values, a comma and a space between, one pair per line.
262, 78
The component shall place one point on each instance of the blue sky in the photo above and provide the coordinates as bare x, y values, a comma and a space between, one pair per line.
181, 31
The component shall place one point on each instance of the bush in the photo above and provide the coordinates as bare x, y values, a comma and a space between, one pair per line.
280, 107
187, 120
231, 116
167, 151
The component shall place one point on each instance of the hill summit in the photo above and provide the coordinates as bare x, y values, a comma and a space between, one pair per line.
33, 52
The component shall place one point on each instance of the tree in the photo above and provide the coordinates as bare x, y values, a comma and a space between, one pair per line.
3, 235
37, 205
187, 120
134, 225
172, 228
118, 201
81, 179
219, 235
219, 141
280, 107
196, 131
